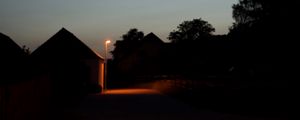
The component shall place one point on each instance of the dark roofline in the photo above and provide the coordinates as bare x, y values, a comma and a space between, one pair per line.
151, 34
10, 44
67, 33
8, 38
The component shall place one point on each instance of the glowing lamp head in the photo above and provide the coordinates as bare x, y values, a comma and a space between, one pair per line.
107, 41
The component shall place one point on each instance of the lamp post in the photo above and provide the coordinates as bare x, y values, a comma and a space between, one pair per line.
105, 65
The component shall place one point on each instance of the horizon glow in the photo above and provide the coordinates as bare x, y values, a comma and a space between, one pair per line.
32, 22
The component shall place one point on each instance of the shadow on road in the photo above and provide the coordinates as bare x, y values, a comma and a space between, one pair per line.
137, 104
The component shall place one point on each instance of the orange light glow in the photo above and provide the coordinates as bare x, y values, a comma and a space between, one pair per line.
107, 41
131, 91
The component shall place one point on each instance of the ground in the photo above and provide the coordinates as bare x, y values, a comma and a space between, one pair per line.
138, 104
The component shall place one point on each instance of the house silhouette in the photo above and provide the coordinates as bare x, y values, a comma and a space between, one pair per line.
13, 74
72, 66
141, 63
11, 62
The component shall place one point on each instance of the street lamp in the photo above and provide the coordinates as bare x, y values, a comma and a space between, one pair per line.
105, 64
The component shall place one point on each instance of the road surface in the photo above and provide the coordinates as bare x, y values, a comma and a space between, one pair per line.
138, 104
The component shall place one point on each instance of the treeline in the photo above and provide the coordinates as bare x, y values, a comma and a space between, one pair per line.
250, 55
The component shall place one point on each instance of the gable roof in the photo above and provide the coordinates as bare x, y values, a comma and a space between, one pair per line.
8, 48
151, 37
65, 45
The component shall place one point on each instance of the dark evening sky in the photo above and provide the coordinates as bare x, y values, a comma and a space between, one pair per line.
32, 22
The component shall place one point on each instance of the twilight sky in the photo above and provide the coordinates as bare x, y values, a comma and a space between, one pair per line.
32, 22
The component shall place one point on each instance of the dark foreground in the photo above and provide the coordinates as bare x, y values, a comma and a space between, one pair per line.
136, 104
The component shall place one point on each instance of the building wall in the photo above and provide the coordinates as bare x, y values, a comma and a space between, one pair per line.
26, 100
96, 71
101, 74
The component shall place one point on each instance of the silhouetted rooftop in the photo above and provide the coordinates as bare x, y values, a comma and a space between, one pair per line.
8, 48
11, 61
65, 45
151, 37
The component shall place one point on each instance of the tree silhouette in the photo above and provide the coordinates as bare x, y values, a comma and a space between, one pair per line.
26, 50
133, 35
128, 44
247, 11
191, 30
260, 32
260, 15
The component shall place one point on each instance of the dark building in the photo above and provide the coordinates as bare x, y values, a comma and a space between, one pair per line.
13, 80
58, 73
72, 66
143, 61
11, 62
